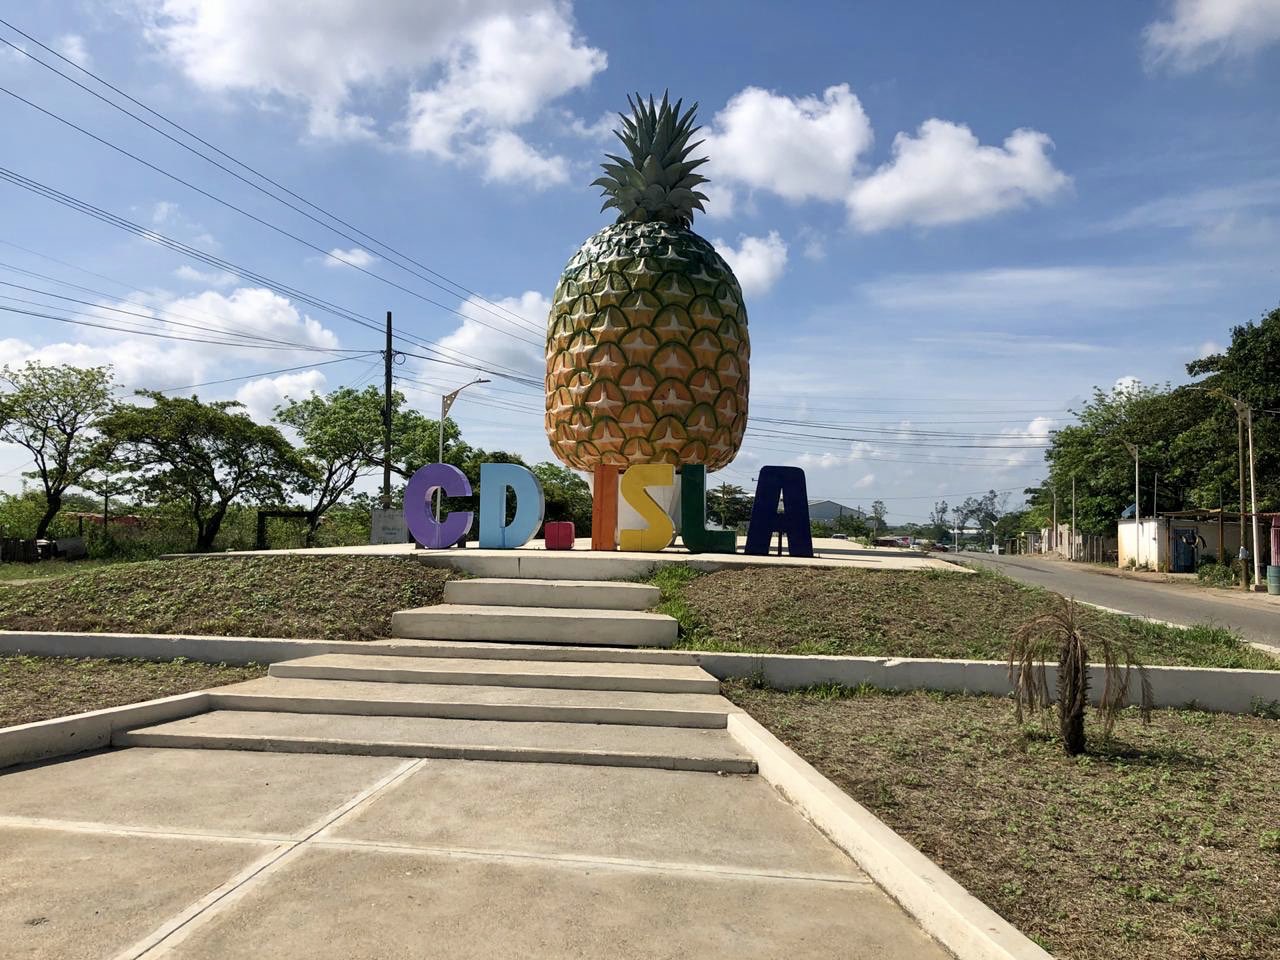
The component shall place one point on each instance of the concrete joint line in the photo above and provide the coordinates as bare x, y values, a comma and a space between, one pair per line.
623, 864
121, 830
162, 941
944, 909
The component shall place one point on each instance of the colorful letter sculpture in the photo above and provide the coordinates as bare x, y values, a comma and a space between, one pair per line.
558, 534
451, 482
659, 531
495, 480
693, 515
604, 507
785, 486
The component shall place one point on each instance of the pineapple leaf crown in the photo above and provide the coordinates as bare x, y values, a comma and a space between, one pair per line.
656, 181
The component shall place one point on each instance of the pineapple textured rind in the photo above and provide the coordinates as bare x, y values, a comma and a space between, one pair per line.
647, 352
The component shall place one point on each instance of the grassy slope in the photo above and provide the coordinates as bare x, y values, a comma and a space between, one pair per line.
333, 598
1163, 843
39, 688
902, 614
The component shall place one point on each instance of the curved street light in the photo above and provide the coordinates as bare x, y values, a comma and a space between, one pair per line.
446, 403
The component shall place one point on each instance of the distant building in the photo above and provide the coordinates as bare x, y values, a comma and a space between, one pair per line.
828, 511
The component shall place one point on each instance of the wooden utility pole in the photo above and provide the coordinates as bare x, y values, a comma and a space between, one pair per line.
388, 358
1071, 549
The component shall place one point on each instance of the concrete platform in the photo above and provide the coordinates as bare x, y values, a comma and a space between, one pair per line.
623, 628
616, 745
429, 858
536, 562
461, 702
267, 796
566, 594
654, 678
738, 824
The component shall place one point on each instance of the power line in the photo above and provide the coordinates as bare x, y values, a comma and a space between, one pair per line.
259, 220
484, 303
247, 337
266, 373
410, 338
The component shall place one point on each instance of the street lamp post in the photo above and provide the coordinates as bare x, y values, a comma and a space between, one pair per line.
1137, 507
446, 402
1244, 419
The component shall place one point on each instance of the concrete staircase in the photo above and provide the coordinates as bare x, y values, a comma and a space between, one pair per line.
541, 611
506, 705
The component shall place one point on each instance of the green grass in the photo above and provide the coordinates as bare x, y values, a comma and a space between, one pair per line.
40, 688
332, 598
1162, 842
873, 613
10, 572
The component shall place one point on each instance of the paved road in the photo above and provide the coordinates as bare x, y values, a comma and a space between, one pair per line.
1255, 617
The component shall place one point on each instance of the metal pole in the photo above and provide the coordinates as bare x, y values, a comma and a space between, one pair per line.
1253, 500
1137, 513
444, 409
388, 356
1073, 516
1055, 518
1244, 576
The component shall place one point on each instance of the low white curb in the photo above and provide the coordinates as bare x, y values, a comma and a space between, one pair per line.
949, 913
1208, 688
46, 739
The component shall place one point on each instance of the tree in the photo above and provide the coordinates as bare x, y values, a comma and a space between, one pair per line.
729, 505
567, 496
341, 437
1059, 635
877, 517
203, 455
937, 524
53, 412
985, 510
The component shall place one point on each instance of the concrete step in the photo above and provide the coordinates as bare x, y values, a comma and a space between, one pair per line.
464, 702
582, 743
653, 678
447, 621
562, 594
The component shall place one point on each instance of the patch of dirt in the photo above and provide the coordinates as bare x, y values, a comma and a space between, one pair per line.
306, 597
1162, 843
41, 688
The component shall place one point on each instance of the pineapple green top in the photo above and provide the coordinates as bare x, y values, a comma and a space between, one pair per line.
656, 181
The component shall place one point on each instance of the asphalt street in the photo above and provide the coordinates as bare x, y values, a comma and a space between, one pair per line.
1254, 617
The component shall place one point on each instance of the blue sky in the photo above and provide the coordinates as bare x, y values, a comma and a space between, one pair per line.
951, 221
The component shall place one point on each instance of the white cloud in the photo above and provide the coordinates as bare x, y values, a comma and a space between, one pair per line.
721, 201
1200, 32
490, 347
508, 158
498, 63
1024, 289
1208, 349
261, 397
944, 175
355, 257
799, 148
758, 262
72, 46
864, 482
1127, 384
206, 278
255, 309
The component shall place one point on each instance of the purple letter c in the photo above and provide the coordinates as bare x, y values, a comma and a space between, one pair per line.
417, 500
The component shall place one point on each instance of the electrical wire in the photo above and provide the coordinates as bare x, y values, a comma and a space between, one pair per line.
483, 302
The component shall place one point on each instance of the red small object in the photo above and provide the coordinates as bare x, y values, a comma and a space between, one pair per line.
558, 535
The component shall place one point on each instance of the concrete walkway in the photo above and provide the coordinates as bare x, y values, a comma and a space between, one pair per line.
228, 854
355, 806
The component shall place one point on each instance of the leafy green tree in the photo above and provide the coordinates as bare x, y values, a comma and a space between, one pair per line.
53, 412
205, 456
878, 512
567, 496
341, 437
729, 505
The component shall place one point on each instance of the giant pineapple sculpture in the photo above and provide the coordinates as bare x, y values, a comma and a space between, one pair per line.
647, 349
